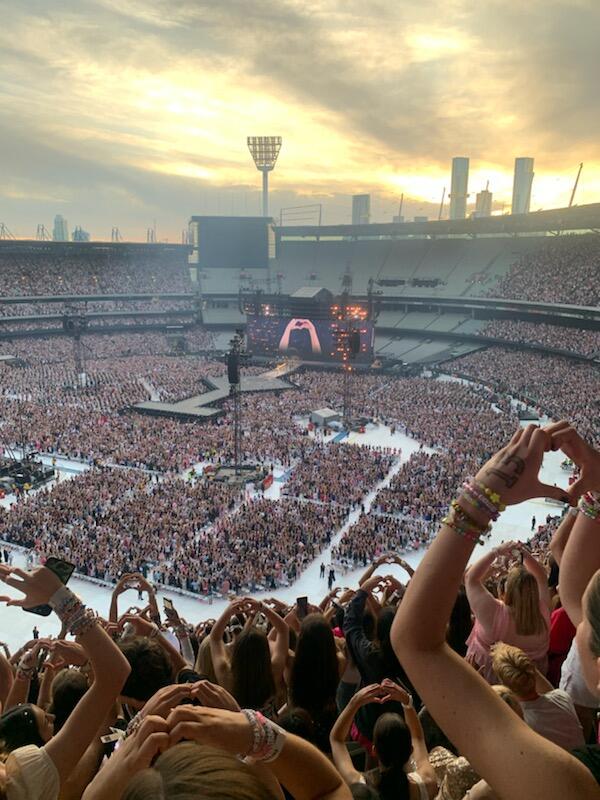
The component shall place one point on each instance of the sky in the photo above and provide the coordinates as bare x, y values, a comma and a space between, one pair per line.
135, 113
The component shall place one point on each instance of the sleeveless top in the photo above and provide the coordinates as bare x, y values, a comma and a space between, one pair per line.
31, 775
503, 630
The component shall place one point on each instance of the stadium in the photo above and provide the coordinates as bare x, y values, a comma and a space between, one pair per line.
305, 506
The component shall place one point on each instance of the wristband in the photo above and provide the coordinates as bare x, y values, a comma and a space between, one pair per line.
410, 703
61, 598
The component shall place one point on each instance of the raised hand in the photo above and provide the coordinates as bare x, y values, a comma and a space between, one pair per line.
37, 586
166, 699
513, 472
566, 438
211, 695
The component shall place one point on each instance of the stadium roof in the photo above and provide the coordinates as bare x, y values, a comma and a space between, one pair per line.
554, 220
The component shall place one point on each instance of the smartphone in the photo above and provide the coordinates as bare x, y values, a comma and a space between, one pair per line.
168, 603
302, 605
63, 571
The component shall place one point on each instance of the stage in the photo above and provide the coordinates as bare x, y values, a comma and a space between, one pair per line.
201, 407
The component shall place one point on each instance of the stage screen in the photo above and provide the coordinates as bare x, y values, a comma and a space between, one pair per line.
316, 340
232, 242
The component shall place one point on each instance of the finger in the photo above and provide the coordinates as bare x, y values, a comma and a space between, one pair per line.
516, 437
555, 492
577, 488
14, 582
13, 602
539, 443
555, 427
152, 724
527, 434
186, 731
20, 572
154, 744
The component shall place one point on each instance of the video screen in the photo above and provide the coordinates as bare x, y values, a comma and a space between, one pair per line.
316, 340
233, 243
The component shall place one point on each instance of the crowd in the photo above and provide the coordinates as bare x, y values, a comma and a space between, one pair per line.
102, 270
564, 270
553, 384
556, 337
338, 473
370, 692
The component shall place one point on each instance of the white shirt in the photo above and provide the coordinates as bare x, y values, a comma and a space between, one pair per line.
553, 716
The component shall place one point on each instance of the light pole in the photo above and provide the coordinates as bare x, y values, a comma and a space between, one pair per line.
264, 150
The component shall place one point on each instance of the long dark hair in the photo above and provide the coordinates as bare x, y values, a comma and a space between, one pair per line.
393, 745
253, 682
461, 623
315, 676
19, 727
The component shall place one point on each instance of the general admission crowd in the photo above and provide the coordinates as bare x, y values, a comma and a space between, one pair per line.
447, 684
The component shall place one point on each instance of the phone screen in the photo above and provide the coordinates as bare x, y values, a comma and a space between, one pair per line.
302, 603
168, 603
63, 571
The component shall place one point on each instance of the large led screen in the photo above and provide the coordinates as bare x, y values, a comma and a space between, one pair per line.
317, 340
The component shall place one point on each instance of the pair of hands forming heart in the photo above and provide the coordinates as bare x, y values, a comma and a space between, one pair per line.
382, 692
513, 472
161, 730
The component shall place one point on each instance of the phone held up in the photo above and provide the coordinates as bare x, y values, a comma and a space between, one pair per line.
302, 606
63, 571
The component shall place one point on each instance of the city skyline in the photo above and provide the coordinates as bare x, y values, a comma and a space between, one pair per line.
122, 113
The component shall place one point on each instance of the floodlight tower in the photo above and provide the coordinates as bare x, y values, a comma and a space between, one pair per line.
264, 150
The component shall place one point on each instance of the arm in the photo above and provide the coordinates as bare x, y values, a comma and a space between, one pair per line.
122, 586
25, 672
340, 732
110, 666
561, 535
581, 556
538, 571
358, 644
472, 715
413, 723
281, 643
6, 680
217, 646
483, 603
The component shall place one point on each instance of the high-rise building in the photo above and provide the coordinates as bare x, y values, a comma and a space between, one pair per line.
483, 203
522, 181
79, 235
361, 209
60, 232
459, 188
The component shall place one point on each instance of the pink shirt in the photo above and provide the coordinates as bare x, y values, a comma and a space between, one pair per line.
503, 630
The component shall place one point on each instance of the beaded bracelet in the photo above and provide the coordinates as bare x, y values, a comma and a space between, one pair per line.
267, 738
463, 525
479, 500
492, 496
589, 506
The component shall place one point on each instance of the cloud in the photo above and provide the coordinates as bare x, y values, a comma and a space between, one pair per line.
145, 104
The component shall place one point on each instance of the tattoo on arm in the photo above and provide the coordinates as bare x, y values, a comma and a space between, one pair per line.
509, 478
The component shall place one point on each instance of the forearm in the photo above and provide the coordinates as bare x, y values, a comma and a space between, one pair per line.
561, 536
45, 696
368, 573
18, 693
187, 651
581, 559
113, 613
6, 680
341, 728
110, 666
479, 570
299, 759
422, 617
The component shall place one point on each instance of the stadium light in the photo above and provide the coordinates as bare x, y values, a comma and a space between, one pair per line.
264, 150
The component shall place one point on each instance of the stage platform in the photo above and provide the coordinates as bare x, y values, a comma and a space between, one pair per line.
201, 407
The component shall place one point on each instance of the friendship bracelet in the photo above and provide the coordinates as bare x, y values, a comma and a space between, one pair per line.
84, 623
267, 738
480, 500
492, 496
589, 507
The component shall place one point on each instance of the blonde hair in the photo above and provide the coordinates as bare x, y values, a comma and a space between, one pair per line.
190, 771
514, 668
204, 663
522, 596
